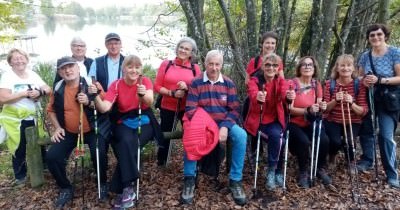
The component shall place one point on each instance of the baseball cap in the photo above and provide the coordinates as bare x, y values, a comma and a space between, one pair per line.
112, 36
65, 61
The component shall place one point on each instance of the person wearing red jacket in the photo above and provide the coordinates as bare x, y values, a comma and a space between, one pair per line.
269, 89
172, 82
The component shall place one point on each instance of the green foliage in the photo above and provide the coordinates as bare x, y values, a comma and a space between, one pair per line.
149, 72
9, 20
47, 72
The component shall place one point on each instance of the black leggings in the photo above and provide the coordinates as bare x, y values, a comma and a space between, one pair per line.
300, 144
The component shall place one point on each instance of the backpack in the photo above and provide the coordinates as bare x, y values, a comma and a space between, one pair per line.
356, 84
157, 104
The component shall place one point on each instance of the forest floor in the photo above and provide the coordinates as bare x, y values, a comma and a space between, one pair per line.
160, 188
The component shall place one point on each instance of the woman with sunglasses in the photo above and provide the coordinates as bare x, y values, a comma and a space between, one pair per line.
381, 68
268, 89
305, 112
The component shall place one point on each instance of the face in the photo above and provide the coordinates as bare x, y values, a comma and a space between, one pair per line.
18, 61
269, 45
78, 49
345, 69
69, 72
307, 67
270, 68
131, 72
377, 38
114, 47
213, 67
184, 51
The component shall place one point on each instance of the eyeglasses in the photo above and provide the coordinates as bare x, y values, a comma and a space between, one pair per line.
372, 35
269, 65
307, 65
79, 45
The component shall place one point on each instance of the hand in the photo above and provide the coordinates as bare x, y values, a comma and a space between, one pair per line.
223, 135
58, 135
261, 95
323, 105
33, 94
82, 99
339, 96
141, 90
179, 93
92, 89
370, 80
182, 85
348, 98
314, 109
290, 95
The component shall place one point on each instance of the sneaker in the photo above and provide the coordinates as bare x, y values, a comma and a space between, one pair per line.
323, 175
270, 182
364, 166
304, 180
237, 191
66, 195
394, 183
120, 204
20, 182
128, 194
279, 179
188, 190
103, 192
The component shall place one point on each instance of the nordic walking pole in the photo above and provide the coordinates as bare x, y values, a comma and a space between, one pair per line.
138, 139
178, 107
289, 107
82, 149
258, 142
97, 144
318, 142
354, 151
373, 119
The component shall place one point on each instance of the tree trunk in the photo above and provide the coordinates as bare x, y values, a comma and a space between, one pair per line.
383, 11
283, 24
195, 22
34, 157
324, 42
266, 16
251, 28
289, 30
308, 42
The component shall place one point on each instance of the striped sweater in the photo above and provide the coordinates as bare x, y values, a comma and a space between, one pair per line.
219, 100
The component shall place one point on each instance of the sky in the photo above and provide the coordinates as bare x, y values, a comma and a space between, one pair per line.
95, 4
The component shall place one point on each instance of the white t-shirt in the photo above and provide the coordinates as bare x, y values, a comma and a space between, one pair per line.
9, 80
83, 72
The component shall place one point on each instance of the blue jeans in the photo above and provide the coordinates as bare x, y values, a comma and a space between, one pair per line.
367, 140
238, 139
387, 122
275, 143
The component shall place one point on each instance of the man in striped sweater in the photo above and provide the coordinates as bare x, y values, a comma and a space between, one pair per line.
216, 94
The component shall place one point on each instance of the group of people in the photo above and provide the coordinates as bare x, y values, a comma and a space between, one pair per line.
114, 85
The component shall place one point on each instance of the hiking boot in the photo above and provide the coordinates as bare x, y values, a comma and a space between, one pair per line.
128, 195
103, 192
188, 190
279, 179
304, 180
120, 204
323, 175
237, 191
394, 183
66, 195
364, 166
270, 182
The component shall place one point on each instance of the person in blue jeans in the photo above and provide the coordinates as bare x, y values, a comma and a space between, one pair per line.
216, 94
381, 68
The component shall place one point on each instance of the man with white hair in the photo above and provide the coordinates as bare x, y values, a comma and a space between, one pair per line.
216, 94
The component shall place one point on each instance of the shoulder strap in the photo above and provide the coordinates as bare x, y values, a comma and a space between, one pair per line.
356, 83
332, 85
256, 60
168, 65
371, 63
191, 67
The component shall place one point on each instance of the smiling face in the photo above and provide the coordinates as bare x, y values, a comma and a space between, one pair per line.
270, 68
213, 66
78, 49
69, 72
132, 71
18, 61
114, 47
269, 45
184, 51
307, 67
377, 38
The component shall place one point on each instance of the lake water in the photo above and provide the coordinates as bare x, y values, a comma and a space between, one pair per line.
53, 40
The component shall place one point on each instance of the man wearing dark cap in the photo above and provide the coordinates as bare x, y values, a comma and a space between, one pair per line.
64, 113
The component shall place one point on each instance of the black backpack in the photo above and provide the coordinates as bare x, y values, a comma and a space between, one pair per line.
157, 104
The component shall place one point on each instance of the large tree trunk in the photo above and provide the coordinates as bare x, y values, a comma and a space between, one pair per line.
251, 28
308, 42
266, 16
283, 22
383, 12
194, 15
328, 14
288, 31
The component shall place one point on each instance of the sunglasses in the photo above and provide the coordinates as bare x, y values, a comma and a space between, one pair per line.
269, 65
307, 65
375, 34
